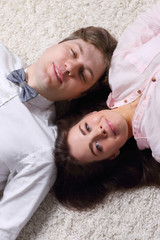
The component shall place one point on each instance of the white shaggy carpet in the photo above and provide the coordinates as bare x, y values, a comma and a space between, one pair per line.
27, 27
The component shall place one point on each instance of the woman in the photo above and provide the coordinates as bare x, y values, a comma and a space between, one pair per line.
65, 71
97, 144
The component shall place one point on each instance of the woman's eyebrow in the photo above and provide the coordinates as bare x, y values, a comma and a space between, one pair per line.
91, 148
90, 144
81, 130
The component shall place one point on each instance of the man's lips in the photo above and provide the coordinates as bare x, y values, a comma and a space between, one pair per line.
111, 127
58, 73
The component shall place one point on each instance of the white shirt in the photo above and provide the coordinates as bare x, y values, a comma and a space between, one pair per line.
134, 72
27, 168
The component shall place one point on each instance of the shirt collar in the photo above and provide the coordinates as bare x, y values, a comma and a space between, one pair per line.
40, 101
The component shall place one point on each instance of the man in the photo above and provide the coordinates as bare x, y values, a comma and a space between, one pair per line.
64, 72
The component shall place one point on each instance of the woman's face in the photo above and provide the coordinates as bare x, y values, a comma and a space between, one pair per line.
98, 136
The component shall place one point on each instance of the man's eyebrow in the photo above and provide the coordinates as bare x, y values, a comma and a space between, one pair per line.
90, 145
82, 52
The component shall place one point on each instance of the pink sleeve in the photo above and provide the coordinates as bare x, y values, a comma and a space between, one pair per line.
145, 27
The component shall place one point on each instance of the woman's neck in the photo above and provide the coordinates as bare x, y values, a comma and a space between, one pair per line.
127, 111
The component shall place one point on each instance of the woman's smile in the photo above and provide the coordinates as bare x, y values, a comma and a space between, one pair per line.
111, 126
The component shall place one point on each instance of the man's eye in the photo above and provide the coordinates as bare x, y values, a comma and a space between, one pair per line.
83, 76
98, 147
73, 53
87, 127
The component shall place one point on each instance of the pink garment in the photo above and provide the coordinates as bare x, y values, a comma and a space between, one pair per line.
134, 72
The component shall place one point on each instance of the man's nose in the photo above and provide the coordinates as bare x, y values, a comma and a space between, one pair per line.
73, 67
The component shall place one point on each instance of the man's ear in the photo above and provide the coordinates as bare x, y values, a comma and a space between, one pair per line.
83, 94
114, 155
79, 96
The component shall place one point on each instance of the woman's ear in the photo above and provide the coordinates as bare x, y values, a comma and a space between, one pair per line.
114, 155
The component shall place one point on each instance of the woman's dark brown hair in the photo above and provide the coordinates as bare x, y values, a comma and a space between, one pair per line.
83, 186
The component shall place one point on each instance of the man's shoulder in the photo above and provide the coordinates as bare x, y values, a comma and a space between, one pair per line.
8, 60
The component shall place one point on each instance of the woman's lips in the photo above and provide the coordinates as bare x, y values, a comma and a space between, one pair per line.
111, 127
58, 73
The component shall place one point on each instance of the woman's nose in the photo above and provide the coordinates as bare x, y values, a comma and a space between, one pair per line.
102, 131
99, 132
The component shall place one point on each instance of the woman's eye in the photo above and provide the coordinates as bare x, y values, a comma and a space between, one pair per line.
73, 53
87, 127
98, 147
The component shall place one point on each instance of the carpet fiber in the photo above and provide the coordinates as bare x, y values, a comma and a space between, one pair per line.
27, 28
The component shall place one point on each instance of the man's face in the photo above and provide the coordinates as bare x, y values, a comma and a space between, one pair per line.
66, 70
